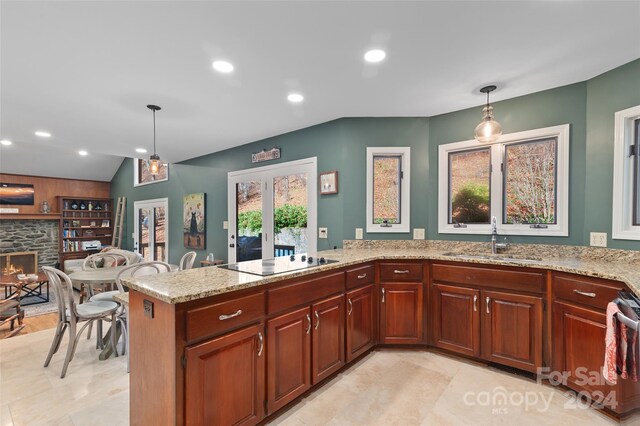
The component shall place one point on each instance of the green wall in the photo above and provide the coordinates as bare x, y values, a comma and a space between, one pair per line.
588, 107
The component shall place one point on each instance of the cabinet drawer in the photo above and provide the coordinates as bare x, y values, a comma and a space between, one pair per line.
585, 291
304, 292
217, 318
489, 277
360, 276
390, 272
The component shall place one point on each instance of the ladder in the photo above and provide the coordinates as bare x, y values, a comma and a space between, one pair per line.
121, 210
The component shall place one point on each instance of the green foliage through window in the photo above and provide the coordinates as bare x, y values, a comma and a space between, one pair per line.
287, 216
471, 203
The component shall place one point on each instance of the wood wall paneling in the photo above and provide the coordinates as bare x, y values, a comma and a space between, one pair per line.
47, 188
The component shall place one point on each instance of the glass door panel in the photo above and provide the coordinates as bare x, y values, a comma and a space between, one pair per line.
150, 233
290, 214
248, 220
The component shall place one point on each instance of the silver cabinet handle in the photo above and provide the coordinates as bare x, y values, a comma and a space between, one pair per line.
261, 339
398, 271
362, 276
233, 315
383, 295
350, 307
317, 321
475, 303
309, 321
582, 293
488, 300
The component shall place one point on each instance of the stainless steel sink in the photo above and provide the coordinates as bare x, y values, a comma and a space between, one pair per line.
501, 257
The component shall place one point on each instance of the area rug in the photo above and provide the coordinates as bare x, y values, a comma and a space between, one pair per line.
45, 307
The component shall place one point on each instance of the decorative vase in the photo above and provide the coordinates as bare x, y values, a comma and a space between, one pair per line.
83, 206
74, 205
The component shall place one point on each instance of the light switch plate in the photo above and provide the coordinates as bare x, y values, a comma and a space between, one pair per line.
359, 235
322, 233
598, 239
418, 233
225, 224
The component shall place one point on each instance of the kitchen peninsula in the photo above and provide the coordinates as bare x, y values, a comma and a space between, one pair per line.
213, 346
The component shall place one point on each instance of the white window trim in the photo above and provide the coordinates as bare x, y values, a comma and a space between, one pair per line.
136, 174
623, 176
405, 190
561, 229
266, 174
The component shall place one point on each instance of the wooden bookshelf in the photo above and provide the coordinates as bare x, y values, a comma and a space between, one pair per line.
83, 219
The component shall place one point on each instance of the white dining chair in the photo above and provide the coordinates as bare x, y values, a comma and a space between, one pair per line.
136, 270
71, 314
187, 260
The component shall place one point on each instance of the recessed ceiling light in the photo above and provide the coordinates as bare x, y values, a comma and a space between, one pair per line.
83, 152
374, 55
222, 66
43, 134
6, 142
141, 150
295, 98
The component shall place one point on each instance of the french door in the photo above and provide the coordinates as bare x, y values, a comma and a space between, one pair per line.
151, 233
272, 211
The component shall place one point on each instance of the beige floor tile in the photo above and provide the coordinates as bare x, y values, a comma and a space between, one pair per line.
5, 415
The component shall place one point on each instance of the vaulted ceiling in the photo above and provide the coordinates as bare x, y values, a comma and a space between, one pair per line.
85, 71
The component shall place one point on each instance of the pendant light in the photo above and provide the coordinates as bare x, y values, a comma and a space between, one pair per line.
488, 130
154, 160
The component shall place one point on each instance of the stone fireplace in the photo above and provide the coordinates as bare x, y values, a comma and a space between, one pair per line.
22, 235
25, 262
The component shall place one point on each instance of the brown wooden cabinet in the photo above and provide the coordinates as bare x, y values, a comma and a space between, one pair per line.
289, 357
225, 379
401, 313
360, 321
456, 319
512, 329
327, 338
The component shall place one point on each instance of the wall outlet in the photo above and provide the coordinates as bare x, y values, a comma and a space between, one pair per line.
598, 239
322, 233
359, 234
225, 224
418, 233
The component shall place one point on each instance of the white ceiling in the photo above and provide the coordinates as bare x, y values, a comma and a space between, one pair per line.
86, 70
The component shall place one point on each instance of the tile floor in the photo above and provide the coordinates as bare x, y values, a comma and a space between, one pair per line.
390, 387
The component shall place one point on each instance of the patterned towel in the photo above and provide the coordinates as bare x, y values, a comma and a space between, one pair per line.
621, 349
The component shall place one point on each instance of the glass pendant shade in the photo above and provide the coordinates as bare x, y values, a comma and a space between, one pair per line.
488, 130
154, 164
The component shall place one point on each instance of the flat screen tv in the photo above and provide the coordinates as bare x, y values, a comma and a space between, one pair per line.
16, 194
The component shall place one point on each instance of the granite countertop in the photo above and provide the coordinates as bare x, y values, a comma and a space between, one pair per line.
193, 284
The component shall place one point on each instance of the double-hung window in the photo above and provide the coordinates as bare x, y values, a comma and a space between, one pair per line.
388, 187
626, 175
522, 180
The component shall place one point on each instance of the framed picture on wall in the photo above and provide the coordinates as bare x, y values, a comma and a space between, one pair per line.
329, 183
194, 231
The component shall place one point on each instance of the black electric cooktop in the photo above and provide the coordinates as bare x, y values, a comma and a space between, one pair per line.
278, 265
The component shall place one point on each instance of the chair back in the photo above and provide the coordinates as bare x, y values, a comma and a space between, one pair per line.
140, 269
104, 260
63, 290
187, 260
131, 255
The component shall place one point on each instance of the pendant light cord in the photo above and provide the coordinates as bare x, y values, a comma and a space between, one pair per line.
154, 129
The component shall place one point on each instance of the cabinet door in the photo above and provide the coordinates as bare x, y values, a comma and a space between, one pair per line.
401, 313
327, 338
225, 379
578, 346
289, 357
360, 321
456, 319
512, 329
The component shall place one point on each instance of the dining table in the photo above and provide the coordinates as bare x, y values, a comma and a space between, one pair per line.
104, 276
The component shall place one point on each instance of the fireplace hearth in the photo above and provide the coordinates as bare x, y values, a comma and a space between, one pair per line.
25, 262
